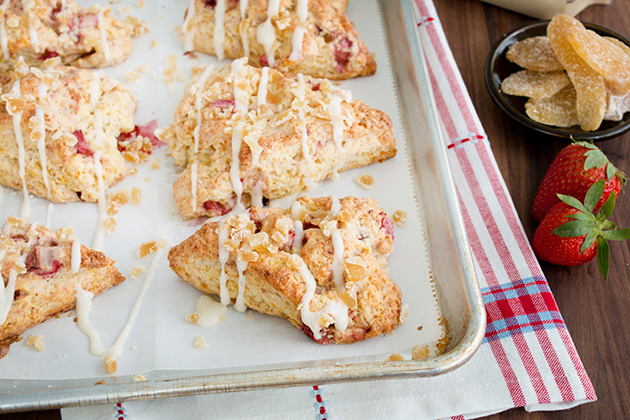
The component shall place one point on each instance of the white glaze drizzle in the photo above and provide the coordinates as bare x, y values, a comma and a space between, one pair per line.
298, 230
262, 86
241, 105
337, 267
32, 32
257, 194
302, 94
235, 171
3, 30
193, 185
75, 260
266, 33
7, 295
243, 29
241, 266
335, 206
41, 146
49, 210
101, 205
337, 310
84, 306
219, 30
241, 99
197, 91
296, 42
336, 119
208, 311
188, 33
101, 28
25, 210
223, 233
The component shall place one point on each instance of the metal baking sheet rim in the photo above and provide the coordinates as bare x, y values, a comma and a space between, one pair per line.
414, 89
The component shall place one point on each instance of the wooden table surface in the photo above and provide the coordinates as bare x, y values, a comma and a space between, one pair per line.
594, 310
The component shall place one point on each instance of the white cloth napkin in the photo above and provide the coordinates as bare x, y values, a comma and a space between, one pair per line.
527, 359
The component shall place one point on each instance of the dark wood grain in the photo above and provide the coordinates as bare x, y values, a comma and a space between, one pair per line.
594, 310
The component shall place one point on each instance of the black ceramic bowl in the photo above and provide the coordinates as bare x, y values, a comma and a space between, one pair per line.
498, 68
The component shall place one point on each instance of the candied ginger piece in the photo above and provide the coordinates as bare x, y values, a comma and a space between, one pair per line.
601, 56
365, 181
534, 53
147, 248
590, 86
110, 363
617, 43
535, 84
559, 110
35, 341
395, 357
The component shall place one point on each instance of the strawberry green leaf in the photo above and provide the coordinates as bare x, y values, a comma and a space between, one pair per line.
593, 195
595, 159
589, 240
610, 172
606, 210
573, 202
573, 229
608, 225
603, 256
617, 234
580, 216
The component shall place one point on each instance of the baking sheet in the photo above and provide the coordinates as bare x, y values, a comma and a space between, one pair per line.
162, 339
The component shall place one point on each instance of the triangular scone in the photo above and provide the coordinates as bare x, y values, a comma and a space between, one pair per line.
66, 118
40, 29
312, 37
288, 132
40, 267
321, 265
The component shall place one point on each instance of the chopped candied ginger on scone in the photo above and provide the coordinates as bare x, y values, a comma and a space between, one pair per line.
38, 30
58, 131
312, 37
247, 134
319, 264
39, 270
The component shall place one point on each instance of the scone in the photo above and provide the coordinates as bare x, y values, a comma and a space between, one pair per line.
39, 271
57, 125
312, 37
40, 29
246, 134
320, 265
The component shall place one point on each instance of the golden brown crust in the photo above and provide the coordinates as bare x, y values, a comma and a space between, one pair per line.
331, 47
71, 102
274, 283
72, 33
272, 130
45, 286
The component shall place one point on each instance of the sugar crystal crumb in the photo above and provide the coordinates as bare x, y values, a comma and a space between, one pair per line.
35, 341
400, 217
140, 4
200, 343
404, 313
133, 171
365, 181
136, 271
143, 68
133, 76
154, 44
162, 243
155, 163
147, 248
124, 9
110, 225
136, 196
192, 318
395, 357
139, 378
110, 363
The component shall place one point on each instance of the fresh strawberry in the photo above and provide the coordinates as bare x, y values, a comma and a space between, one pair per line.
573, 171
570, 234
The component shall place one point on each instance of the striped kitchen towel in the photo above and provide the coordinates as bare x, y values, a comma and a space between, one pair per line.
527, 358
